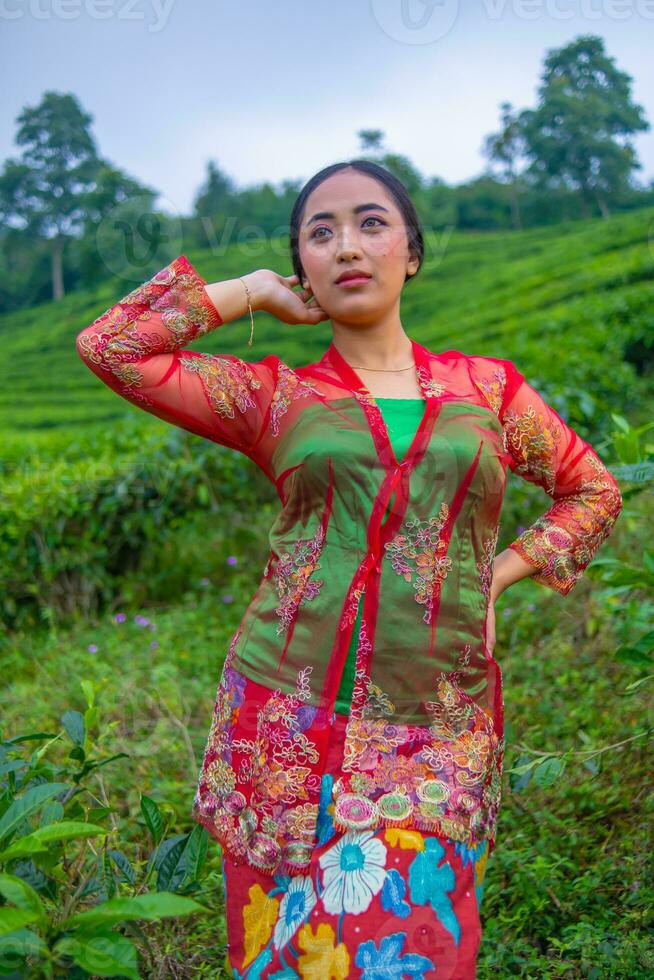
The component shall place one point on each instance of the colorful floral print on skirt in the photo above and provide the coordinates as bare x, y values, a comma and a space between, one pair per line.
376, 905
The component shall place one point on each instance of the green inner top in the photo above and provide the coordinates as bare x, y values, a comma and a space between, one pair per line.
402, 417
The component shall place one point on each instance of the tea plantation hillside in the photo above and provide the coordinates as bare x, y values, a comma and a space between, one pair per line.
563, 302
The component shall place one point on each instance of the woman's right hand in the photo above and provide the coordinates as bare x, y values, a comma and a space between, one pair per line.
276, 295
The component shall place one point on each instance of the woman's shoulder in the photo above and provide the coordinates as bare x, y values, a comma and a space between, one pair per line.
490, 376
478, 365
455, 353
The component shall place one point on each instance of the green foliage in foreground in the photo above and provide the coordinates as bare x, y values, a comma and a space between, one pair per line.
72, 528
568, 890
119, 712
73, 900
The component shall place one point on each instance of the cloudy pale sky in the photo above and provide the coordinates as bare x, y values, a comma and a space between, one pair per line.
278, 90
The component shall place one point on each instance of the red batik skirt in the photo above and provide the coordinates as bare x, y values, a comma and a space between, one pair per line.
373, 904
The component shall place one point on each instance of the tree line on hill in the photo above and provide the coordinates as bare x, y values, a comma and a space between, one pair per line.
69, 218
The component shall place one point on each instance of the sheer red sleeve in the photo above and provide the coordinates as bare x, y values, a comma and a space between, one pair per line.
543, 449
135, 348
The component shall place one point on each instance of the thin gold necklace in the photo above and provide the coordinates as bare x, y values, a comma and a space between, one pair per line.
360, 367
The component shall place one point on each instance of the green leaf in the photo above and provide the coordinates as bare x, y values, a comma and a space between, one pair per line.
26, 804
123, 865
88, 688
52, 812
172, 868
103, 954
633, 656
107, 875
620, 422
21, 894
73, 723
524, 767
634, 472
15, 946
36, 842
641, 680
196, 852
152, 817
548, 771
12, 918
152, 906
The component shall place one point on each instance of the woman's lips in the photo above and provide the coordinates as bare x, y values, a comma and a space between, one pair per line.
358, 281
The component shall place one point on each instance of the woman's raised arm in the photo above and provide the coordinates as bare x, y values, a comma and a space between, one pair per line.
136, 348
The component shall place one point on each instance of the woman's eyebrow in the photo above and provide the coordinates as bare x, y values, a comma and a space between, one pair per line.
360, 207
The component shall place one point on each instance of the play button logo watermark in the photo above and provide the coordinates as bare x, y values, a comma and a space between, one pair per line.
415, 21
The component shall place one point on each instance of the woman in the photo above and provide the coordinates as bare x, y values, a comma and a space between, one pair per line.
353, 768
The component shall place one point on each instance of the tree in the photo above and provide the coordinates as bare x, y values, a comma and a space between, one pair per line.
585, 108
59, 187
504, 148
397, 163
214, 194
371, 140
404, 170
42, 189
117, 219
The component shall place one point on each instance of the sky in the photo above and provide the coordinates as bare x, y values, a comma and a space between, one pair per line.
275, 91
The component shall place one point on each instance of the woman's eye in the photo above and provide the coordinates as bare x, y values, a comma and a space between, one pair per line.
371, 217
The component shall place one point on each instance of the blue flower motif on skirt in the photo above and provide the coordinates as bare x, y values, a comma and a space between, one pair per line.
392, 894
387, 963
430, 883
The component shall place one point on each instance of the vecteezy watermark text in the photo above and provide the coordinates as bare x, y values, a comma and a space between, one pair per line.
426, 21
154, 12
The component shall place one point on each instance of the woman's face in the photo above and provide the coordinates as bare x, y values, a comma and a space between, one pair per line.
351, 222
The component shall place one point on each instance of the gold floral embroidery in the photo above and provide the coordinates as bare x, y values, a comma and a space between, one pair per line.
289, 387
352, 607
494, 387
450, 782
278, 769
429, 385
562, 553
228, 383
292, 577
148, 291
420, 552
129, 376
119, 341
485, 564
452, 711
275, 827
185, 311
532, 443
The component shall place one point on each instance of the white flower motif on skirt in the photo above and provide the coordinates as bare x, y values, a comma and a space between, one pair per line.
354, 870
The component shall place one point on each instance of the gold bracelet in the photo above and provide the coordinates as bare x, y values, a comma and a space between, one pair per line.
247, 291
